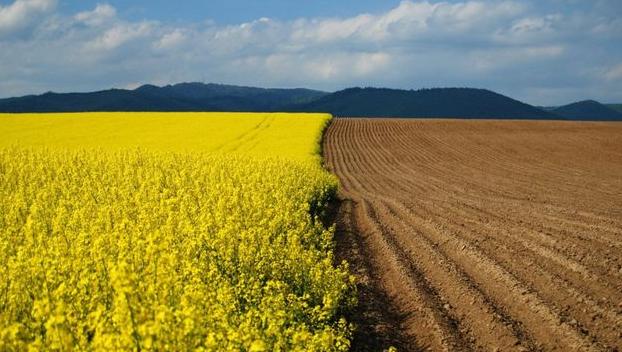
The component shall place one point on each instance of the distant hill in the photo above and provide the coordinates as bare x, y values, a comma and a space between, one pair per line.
588, 110
438, 102
616, 107
351, 102
178, 97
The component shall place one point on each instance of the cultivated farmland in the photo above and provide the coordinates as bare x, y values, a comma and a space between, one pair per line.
481, 235
135, 232
292, 136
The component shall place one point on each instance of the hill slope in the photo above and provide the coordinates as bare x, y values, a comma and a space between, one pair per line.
178, 97
356, 102
616, 107
588, 110
438, 102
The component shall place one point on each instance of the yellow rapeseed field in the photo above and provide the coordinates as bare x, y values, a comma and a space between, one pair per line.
276, 134
167, 231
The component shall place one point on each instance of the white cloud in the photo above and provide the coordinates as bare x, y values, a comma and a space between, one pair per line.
488, 43
533, 29
489, 60
614, 73
322, 67
118, 35
409, 20
22, 13
369, 63
171, 40
102, 14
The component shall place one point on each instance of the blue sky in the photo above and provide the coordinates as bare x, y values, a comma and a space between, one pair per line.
542, 52
233, 11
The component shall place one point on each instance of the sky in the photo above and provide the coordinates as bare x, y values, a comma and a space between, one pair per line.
547, 52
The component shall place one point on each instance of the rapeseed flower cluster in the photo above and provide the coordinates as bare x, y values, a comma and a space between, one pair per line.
144, 250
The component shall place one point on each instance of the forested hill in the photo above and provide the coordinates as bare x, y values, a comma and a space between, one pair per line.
588, 110
467, 103
178, 97
438, 102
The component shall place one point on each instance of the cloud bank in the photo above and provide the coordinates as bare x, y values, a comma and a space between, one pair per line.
540, 54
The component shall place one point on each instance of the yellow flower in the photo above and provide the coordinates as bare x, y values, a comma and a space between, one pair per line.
167, 232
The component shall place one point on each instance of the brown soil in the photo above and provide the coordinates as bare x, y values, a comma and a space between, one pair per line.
481, 235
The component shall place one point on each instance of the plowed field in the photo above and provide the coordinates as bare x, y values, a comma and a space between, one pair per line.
481, 235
